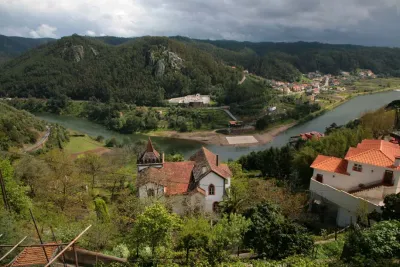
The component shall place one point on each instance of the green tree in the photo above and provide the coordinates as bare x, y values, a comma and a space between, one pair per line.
227, 234
101, 210
391, 209
273, 236
174, 157
194, 235
155, 227
93, 165
15, 192
381, 241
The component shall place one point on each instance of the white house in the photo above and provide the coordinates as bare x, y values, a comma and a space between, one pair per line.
358, 182
198, 184
196, 99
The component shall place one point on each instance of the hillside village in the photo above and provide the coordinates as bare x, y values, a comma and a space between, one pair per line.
316, 82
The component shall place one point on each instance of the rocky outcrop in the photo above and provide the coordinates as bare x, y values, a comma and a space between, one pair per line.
73, 52
174, 60
160, 68
161, 59
94, 51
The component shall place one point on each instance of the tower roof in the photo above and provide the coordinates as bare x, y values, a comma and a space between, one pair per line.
150, 155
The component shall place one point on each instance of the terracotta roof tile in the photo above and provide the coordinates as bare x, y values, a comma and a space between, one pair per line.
34, 256
175, 176
375, 152
330, 164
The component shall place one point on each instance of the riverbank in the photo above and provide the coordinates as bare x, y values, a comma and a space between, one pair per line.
214, 138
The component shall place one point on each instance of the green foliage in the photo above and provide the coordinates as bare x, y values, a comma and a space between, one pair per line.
154, 228
228, 233
381, 241
391, 209
283, 61
15, 192
273, 236
273, 162
174, 157
82, 67
101, 210
194, 235
18, 127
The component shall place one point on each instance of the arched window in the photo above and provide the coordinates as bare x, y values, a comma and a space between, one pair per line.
150, 193
211, 190
215, 206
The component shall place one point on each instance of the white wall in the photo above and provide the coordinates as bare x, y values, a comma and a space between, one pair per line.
144, 166
349, 204
158, 190
341, 198
182, 204
370, 174
219, 184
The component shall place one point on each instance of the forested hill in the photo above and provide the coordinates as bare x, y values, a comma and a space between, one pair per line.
144, 71
148, 70
18, 127
12, 46
284, 61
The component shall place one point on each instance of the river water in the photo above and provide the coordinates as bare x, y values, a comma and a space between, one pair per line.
340, 115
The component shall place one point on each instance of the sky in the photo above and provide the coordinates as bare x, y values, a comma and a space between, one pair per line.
366, 22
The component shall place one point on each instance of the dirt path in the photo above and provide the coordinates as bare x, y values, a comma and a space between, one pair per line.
211, 137
43, 139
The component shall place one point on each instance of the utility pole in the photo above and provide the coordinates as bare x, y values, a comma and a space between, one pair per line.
3, 191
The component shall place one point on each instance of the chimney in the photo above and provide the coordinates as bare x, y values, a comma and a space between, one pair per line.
397, 161
217, 160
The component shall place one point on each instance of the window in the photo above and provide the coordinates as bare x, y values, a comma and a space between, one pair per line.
211, 189
215, 207
320, 178
150, 193
357, 167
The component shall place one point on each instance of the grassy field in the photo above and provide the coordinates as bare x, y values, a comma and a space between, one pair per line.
79, 144
370, 85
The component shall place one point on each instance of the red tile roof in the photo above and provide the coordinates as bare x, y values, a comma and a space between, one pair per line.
174, 176
375, 152
330, 164
34, 256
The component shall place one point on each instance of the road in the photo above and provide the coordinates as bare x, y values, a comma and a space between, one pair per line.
327, 82
230, 114
40, 142
243, 79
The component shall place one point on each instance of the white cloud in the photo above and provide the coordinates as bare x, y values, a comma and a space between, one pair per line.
90, 33
44, 30
253, 20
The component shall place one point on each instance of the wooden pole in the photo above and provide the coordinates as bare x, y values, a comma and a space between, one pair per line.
14, 247
40, 238
3, 191
76, 256
69, 245
33, 246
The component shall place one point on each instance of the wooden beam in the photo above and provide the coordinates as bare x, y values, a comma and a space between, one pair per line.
33, 246
66, 247
14, 247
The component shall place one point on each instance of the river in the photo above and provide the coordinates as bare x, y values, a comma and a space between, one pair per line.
340, 115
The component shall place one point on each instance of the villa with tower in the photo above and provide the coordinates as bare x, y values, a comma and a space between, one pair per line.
195, 185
